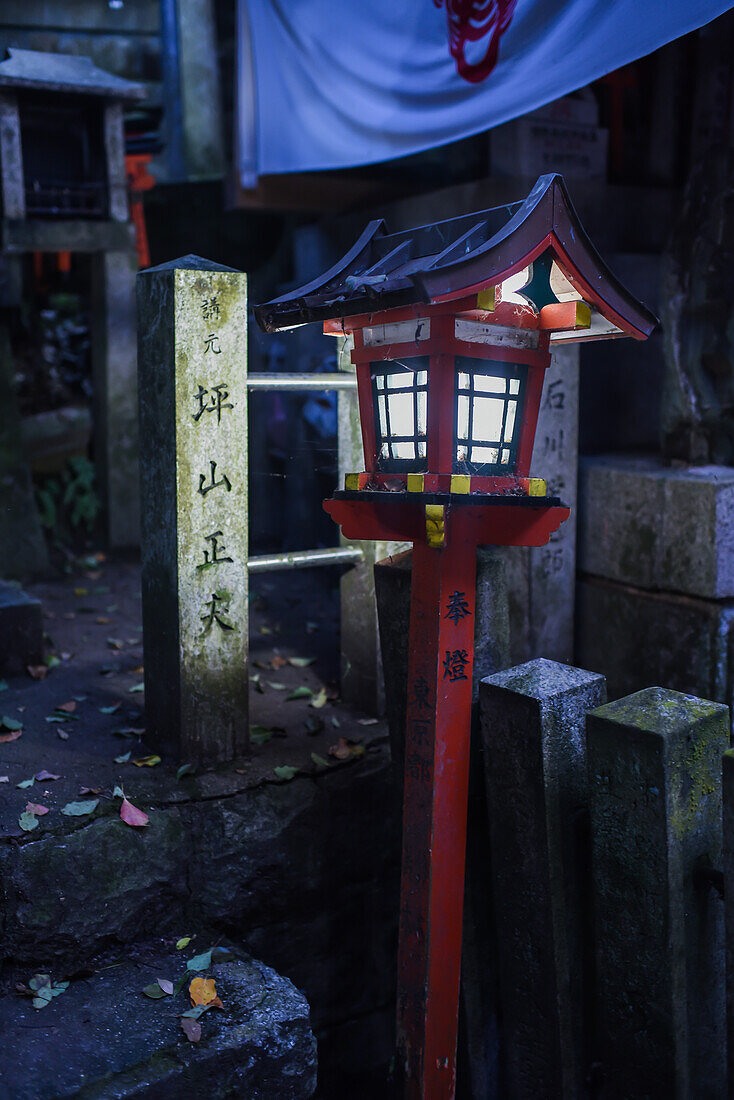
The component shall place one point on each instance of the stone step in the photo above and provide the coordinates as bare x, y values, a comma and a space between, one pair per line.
102, 1038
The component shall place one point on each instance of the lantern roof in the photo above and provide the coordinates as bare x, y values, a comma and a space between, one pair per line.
60, 72
454, 259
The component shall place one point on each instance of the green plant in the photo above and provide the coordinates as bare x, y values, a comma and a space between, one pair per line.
69, 501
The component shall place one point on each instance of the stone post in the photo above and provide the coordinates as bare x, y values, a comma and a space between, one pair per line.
193, 418
728, 886
114, 369
655, 794
532, 728
541, 580
362, 681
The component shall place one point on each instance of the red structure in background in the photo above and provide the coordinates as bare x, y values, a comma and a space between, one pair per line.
452, 325
139, 180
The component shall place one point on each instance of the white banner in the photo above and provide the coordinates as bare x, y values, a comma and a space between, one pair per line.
337, 83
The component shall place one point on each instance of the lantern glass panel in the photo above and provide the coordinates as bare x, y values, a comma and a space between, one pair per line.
488, 415
400, 394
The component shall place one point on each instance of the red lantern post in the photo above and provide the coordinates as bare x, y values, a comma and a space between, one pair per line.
452, 327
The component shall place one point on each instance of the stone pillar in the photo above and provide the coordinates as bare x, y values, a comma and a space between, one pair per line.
541, 579
193, 418
362, 681
115, 394
728, 837
532, 729
655, 795
11, 159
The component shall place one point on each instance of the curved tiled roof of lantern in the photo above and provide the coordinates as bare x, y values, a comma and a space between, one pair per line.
459, 257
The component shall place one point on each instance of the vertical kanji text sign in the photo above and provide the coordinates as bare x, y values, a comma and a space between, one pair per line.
211, 493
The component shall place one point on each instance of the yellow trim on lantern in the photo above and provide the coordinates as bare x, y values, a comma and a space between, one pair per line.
351, 482
583, 315
537, 487
415, 483
435, 531
486, 299
460, 483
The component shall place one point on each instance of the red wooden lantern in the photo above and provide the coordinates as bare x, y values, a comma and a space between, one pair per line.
453, 325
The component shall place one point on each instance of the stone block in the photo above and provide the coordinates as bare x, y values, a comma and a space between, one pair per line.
533, 736
636, 638
655, 796
728, 885
657, 527
21, 629
193, 421
111, 1043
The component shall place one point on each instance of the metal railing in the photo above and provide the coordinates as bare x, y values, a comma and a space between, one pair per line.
303, 559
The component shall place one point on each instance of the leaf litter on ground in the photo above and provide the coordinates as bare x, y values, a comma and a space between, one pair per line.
286, 771
131, 815
44, 989
80, 809
302, 692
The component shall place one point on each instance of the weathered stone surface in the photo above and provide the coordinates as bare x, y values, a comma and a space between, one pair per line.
655, 793
636, 638
658, 527
540, 580
115, 393
109, 1042
532, 726
21, 629
193, 417
728, 884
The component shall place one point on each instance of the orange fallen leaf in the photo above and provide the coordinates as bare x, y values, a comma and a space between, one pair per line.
131, 815
68, 708
203, 991
277, 661
12, 736
34, 808
38, 672
341, 750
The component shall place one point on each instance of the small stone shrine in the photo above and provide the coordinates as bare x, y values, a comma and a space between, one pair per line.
63, 189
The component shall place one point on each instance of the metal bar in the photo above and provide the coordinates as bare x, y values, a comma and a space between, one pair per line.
304, 559
340, 381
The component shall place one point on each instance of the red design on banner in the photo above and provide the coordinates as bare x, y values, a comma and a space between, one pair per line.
471, 21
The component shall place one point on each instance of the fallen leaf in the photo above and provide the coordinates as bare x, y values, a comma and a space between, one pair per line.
196, 1012
118, 793
184, 770
4, 778
166, 986
277, 661
35, 808
319, 760
25, 783
285, 771
90, 790
11, 724
319, 700
115, 643
277, 686
203, 991
136, 687
101, 620
66, 656
111, 709
300, 693
81, 592
12, 736
301, 662
3, 685
147, 761
191, 1029
57, 717
367, 721
124, 758
52, 661
183, 942
260, 737
43, 775
37, 672
63, 735
80, 698
128, 731
200, 962
131, 815
341, 750
153, 991
80, 809
357, 750
265, 630
27, 822
138, 671
335, 721
45, 990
